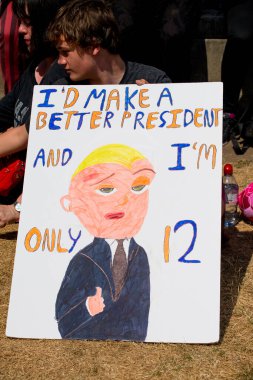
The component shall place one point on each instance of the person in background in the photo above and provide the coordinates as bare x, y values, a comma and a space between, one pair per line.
237, 61
34, 17
12, 57
161, 33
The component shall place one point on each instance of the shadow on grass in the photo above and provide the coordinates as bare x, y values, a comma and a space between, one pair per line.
235, 258
9, 235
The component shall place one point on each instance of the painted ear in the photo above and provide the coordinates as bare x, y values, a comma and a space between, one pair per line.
65, 203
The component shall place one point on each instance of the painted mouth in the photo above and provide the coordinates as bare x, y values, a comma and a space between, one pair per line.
117, 215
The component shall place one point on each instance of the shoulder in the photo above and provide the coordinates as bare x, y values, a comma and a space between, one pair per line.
23, 88
80, 260
139, 250
26, 78
55, 74
89, 251
135, 70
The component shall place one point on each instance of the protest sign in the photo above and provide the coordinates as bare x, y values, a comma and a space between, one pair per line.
121, 174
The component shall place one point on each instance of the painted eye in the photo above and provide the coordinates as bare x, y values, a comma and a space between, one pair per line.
139, 189
106, 191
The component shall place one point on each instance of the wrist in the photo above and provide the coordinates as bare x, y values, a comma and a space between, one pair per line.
17, 210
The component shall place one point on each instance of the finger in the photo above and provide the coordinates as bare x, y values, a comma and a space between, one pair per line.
98, 291
140, 82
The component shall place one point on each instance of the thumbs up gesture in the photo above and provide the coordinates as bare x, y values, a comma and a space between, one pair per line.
95, 304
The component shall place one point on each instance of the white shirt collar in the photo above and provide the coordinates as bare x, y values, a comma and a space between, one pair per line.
113, 245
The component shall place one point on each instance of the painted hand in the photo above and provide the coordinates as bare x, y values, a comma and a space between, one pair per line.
95, 303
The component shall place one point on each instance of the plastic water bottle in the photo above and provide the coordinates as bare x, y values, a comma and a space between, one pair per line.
231, 189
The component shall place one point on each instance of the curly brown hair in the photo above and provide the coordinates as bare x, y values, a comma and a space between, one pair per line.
86, 23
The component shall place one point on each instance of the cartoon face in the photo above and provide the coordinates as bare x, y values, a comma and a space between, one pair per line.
111, 200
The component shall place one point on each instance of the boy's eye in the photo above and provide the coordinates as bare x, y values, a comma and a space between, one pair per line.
64, 53
106, 190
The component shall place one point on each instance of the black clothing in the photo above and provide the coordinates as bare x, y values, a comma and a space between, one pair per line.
124, 317
237, 72
159, 33
15, 107
237, 62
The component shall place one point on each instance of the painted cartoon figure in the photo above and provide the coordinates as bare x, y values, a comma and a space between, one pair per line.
105, 293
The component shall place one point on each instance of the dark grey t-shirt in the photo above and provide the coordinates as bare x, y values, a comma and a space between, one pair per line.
135, 71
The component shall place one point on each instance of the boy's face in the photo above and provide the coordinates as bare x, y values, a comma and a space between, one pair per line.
110, 200
79, 64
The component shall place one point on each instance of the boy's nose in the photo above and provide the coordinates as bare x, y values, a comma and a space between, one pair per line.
61, 60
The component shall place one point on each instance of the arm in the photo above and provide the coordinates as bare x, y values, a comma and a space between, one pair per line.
13, 140
70, 308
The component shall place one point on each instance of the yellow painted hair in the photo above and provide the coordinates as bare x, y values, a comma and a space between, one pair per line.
112, 153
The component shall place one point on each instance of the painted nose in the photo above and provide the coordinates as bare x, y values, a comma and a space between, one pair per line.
123, 200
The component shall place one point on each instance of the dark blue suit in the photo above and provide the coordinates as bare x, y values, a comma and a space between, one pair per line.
123, 319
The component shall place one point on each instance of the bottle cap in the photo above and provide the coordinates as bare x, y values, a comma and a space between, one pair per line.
228, 169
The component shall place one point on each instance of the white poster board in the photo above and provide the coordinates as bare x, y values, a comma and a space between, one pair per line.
177, 129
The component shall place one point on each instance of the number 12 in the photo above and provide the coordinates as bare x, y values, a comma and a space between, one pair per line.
166, 247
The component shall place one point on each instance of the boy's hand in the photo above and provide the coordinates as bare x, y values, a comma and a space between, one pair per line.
140, 82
